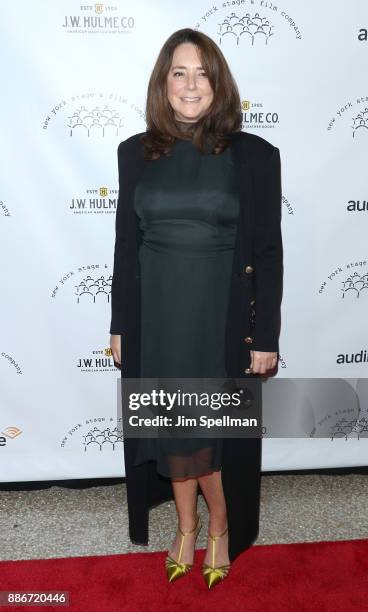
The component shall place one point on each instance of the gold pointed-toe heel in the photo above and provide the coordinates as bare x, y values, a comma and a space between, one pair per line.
176, 569
212, 574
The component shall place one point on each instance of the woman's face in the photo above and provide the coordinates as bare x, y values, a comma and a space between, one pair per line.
188, 89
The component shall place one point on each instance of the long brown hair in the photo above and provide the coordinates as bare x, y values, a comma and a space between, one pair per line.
223, 116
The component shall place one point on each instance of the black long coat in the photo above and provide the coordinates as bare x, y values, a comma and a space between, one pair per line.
253, 322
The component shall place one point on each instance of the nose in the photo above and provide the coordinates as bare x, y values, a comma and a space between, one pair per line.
191, 81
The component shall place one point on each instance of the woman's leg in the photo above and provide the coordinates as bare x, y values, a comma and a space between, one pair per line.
185, 495
213, 492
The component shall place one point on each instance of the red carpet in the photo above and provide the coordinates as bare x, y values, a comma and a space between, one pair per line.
307, 577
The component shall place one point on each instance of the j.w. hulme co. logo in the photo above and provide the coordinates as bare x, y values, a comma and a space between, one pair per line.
257, 117
95, 200
99, 360
98, 18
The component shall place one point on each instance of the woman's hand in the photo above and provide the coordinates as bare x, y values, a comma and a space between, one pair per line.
115, 345
261, 361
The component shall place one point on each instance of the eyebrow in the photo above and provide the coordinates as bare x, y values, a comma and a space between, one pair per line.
173, 68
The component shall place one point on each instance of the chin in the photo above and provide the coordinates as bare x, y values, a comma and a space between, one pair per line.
190, 116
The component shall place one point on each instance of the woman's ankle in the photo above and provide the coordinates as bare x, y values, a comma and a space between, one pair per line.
217, 525
188, 523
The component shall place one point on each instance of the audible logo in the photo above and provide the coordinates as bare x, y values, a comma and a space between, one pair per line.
9, 432
12, 432
361, 357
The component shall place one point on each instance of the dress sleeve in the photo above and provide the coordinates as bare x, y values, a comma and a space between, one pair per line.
268, 255
118, 291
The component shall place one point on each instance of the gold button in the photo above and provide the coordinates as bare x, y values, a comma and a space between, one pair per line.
248, 339
248, 370
248, 269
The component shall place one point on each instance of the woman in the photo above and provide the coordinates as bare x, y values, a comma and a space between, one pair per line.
197, 279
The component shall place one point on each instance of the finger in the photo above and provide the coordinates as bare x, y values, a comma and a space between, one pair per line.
260, 366
260, 370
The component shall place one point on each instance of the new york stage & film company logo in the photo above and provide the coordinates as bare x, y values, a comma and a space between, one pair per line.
97, 201
101, 360
343, 411
353, 116
97, 434
349, 284
89, 284
98, 19
353, 281
12, 362
4, 209
338, 427
92, 115
254, 116
256, 22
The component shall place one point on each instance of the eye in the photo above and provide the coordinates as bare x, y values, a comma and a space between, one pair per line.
204, 74
177, 72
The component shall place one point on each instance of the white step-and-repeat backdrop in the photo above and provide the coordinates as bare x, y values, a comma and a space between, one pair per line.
74, 79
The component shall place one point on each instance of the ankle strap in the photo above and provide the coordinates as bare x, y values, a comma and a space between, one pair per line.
215, 537
184, 533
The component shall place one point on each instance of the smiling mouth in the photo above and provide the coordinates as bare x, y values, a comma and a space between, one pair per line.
190, 99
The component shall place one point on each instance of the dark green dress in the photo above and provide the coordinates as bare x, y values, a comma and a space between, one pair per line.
188, 206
